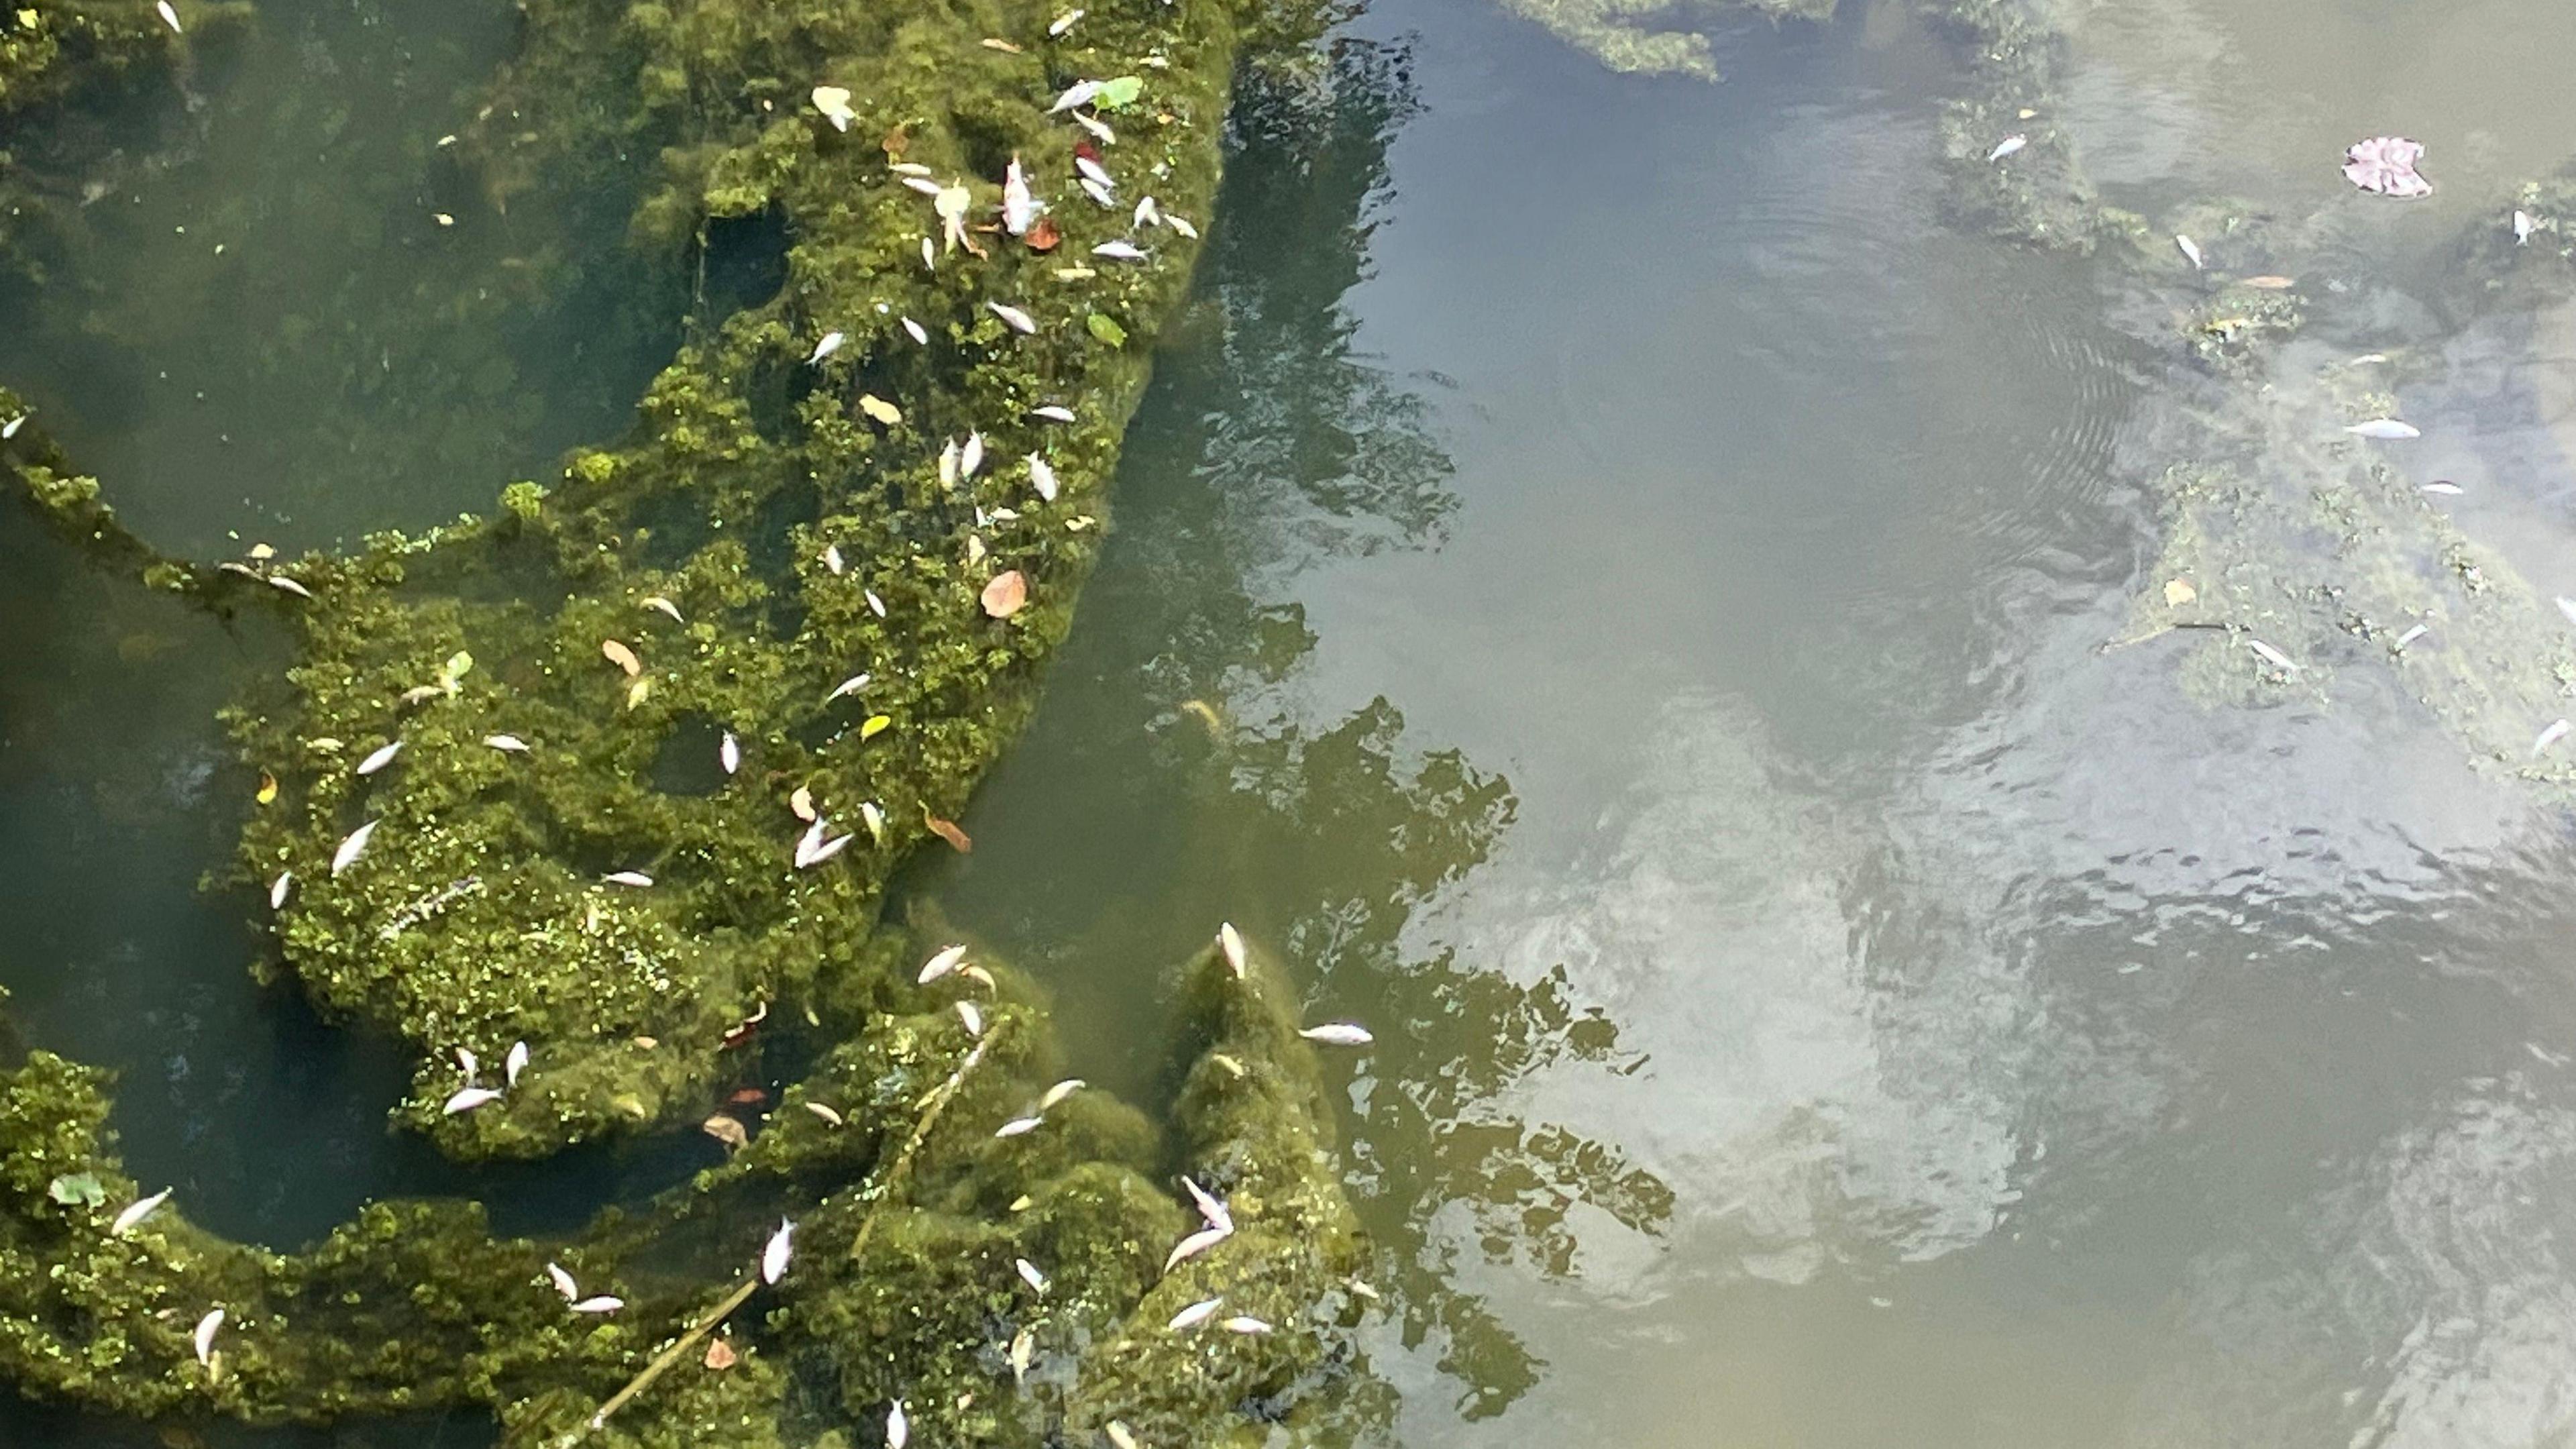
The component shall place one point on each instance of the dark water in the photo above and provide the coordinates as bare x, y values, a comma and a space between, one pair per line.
1610, 584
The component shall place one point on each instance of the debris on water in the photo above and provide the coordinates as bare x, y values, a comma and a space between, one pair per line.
720, 1355
2445, 487
2413, 634
2007, 146
834, 103
880, 410
2557, 731
1006, 594
1338, 1033
2385, 165
2567, 606
728, 1130
2190, 251
2272, 656
2179, 592
2385, 430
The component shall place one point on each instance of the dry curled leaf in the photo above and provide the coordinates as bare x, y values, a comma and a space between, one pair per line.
720, 1355
616, 652
727, 1130
1006, 594
267, 787
2179, 592
947, 830
1042, 235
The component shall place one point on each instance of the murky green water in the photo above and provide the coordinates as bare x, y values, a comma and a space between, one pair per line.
1610, 582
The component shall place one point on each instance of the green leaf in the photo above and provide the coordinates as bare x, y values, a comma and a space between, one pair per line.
77, 1187
1122, 92
1106, 329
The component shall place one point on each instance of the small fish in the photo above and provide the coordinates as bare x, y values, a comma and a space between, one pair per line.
1343, 1033
908, 168
507, 744
874, 819
1013, 317
1100, 194
898, 1430
169, 16
601, 1304
1030, 1275
918, 334
277, 889
2385, 430
469, 1098
828, 1114
1182, 225
2190, 251
851, 685
563, 1282
137, 1211
1053, 412
1056, 1094
1080, 93
2272, 656
1120, 1436
1230, 941
1211, 1208
929, 255
1196, 1314
2522, 228
1244, 1324
204, 1337
635, 878
1019, 209
834, 103
2007, 146
971, 457
824, 851
926, 187
284, 584
1023, 1353
1195, 1244
2413, 634
1120, 251
729, 753
948, 465
948, 959
1148, 212
662, 605
2557, 731
2445, 487
1098, 128
830, 344
380, 758
469, 1064
513, 1064
1017, 1126
810, 842
1063, 23
1091, 170
352, 847
973, 1017
2567, 606
10, 428
773, 1257
1042, 477
832, 559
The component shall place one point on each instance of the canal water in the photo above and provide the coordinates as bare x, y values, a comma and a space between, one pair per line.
1611, 583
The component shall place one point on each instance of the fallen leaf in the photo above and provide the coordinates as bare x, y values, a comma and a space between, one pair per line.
995, 42
720, 1355
2271, 283
635, 692
894, 143
875, 725
802, 802
879, 409
1006, 595
1106, 328
616, 652
267, 788
1042, 235
746, 1097
2179, 592
726, 1130
947, 830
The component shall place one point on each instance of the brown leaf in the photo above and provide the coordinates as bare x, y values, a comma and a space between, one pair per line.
726, 1130
720, 1355
746, 1097
1043, 236
1006, 594
947, 830
894, 143
995, 42
624, 658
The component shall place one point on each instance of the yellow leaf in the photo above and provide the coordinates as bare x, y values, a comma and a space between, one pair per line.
624, 658
2179, 593
267, 787
876, 725
879, 409
635, 692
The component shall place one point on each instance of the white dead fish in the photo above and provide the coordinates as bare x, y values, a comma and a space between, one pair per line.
773, 1257
2557, 731
1230, 941
2446, 489
898, 1431
832, 559
2521, 228
469, 1098
204, 1338
1080, 93
563, 1282
1042, 477
352, 847
169, 16
876, 605
1013, 317
2384, 430
1211, 1208
929, 255
1182, 225
1338, 1033
1120, 251
971, 457
2272, 656
1196, 1314
513, 1064
1056, 1094
1091, 170
1195, 1244
507, 744
1244, 1324
824, 851
469, 1064
948, 465
380, 758
1063, 23
277, 889
1120, 1436
661, 605
1100, 194
2413, 634
10, 428
834, 103
907, 168
948, 959
1053, 412
973, 1017
915, 329
810, 842
635, 878
2567, 606
601, 1304
1030, 1275
830, 344
1017, 1126
827, 1113
1098, 128
1148, 212
283, 584
729, 753
926, 187
851, 685
1024, 1352
137, 1211
2007, 146
2190, 251
1019, 209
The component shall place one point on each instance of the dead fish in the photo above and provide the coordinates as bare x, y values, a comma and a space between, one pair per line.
2567, 606
824, 851
1030, 1275
277, 889
1120, 1436
1017, 1126
2411, 635
824, 1112
834, 103
351, 847
1195, 1244
1230, 941
601, 1304
137, 1211
169, 16
635, 878
876, 605
2272, 656
204, 1337
1063, 23
1080, 93
1042, 477
380, 758
908, 168
851, 685
469, 1098
662, 605
979, 976
1196, 1314
284, 584
948, 959
1053, 412
10, 428
973, 1017
1244, 1324
830, 344
1340, 1033
1061, 1090
971, 457
1101, 195
1120, 251
2521, 228
729, 753
1091, 170
929, 255
2007, 146
832, 559
773, 1256
1211, 1208
1013, 317
1182, 225
1019, 209
1023, 1353
810, 842
2445, 487
2557, 731
1148, 212
926, 187
2190, 251
467, 1063
508, 744
918, 334
514, 1063
563, 1282
2385, 430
